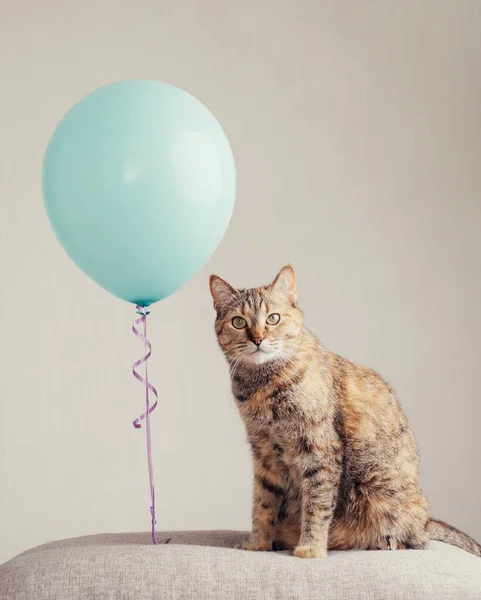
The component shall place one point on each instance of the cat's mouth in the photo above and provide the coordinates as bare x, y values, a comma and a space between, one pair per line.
259, 350
260, 355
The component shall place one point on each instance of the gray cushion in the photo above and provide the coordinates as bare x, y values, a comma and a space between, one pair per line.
203, 565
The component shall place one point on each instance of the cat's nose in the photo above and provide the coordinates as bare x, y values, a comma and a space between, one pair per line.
257, 340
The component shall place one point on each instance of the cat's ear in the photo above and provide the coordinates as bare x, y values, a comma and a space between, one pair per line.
222, 292
285, 284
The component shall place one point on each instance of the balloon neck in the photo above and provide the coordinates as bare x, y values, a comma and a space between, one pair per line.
142, 310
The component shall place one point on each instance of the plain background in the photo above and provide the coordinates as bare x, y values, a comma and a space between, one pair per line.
356, 128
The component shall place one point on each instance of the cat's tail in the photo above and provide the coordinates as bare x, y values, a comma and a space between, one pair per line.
438, 530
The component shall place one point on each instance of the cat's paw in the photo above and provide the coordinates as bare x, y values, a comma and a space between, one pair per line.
310, 552
254, 546
390, 543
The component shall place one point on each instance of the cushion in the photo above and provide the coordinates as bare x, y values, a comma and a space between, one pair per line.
204, 565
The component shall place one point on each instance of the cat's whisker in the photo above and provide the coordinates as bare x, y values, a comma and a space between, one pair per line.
233, 371
234, 366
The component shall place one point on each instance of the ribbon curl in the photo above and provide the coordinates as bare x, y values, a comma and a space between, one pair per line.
142, 319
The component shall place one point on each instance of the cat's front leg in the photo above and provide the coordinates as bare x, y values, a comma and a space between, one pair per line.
319, 483
268, 495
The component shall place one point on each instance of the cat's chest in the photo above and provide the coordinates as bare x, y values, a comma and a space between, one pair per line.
269, 407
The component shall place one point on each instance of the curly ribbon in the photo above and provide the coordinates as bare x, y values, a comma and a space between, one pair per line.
143, 312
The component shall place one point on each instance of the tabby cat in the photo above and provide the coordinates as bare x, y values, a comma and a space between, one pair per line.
335, 462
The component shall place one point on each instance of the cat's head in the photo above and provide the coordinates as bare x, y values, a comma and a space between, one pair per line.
258, 325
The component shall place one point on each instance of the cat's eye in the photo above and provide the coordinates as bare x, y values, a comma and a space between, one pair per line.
273, 319
239, 322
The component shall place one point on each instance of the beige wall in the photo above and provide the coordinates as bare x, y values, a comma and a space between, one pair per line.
357, 133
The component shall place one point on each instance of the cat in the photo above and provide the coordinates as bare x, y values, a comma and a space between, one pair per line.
335, 463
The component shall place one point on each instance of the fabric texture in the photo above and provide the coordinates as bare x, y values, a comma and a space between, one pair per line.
204, 565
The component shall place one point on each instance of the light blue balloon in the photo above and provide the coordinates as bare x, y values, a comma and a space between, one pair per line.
139, 186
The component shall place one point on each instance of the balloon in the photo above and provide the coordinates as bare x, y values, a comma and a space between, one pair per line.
139, 186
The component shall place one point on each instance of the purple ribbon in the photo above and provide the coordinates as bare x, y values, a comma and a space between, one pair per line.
143, 312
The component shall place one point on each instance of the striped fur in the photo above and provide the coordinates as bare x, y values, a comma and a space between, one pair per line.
335, 462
